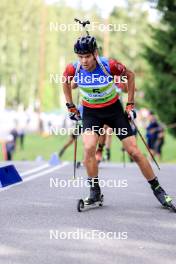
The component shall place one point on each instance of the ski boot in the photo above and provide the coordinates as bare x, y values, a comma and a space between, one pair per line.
95, 192
163, 198
95, 198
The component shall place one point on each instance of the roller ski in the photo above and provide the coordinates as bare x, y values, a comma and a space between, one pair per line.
94, 200
85, 204
163, 198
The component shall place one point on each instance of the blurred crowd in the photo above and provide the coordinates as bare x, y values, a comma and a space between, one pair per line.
16, 125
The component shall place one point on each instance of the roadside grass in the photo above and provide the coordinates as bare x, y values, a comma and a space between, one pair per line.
36, 145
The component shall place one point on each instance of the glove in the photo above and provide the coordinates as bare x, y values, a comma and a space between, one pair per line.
74, 113
130, 111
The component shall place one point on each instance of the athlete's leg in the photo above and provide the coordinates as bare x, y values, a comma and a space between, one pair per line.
90, 140
101, 144
101, 140
109, 132
131, 147
121, 126
119, 122
68, 143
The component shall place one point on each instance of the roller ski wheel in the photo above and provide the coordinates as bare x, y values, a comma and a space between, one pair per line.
80, 205
88, 203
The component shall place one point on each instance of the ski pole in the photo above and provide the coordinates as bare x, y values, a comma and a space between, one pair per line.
143, 140
75, 157
75, 143
83, 23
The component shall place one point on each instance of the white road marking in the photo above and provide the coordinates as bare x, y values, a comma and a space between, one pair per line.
35, 176
34, 170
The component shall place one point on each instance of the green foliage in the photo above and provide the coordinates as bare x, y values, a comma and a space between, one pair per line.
128, 46
161, 90
31, 49
19, 28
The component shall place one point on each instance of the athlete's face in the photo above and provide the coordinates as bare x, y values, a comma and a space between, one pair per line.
87, 61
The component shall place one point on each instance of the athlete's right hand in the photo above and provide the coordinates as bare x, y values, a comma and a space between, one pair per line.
74, 113
130, 111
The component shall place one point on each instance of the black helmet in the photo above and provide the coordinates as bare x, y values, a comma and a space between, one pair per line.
86, 44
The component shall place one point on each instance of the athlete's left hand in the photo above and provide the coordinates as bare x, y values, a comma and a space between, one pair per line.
130, 111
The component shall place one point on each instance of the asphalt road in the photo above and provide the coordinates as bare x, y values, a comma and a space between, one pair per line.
39, 223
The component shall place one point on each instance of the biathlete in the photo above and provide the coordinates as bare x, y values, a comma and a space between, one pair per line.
94, 76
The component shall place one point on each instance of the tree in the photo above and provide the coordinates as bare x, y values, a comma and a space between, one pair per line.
128, 42
19, 49
161, 89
